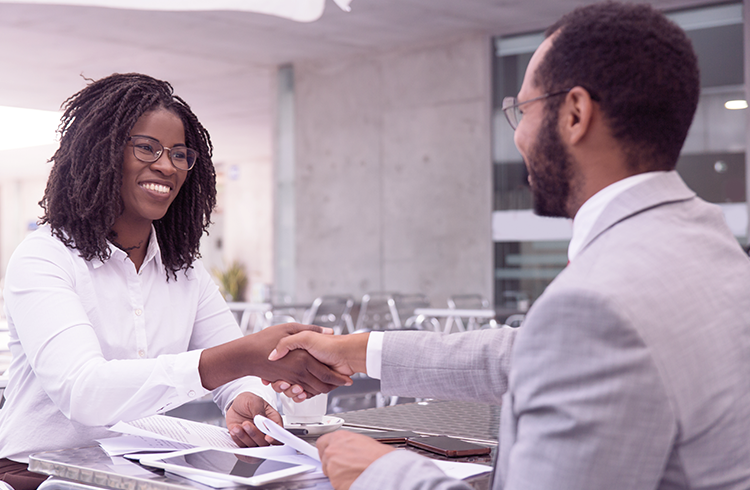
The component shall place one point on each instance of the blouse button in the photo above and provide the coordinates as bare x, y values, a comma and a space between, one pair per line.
138, 312
141, 353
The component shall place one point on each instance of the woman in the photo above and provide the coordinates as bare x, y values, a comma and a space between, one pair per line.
111, 315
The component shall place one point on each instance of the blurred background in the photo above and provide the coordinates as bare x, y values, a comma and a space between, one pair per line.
358, 152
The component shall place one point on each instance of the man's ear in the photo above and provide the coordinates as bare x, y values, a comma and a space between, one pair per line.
576, 115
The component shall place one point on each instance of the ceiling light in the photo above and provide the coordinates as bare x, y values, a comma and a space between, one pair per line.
298, 10
25, 128
735, 104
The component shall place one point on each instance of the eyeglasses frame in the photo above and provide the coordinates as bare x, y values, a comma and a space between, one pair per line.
511, 103
160, 152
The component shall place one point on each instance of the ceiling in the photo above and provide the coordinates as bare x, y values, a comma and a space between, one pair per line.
222, 63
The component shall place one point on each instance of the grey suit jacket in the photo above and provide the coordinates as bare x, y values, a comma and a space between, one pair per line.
632, 370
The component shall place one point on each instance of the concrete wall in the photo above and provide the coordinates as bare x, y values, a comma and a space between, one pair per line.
393, 173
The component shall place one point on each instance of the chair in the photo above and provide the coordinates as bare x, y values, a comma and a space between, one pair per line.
376, 312
277, 318
404, 306
469, 302
284, 313
249, 316
333, 311
516, 320
363, 393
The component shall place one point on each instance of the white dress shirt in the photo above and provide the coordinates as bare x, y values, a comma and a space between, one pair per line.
583, 222
97, 342
590, 211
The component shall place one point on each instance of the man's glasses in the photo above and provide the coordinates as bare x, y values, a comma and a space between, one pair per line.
149, 150
511, 107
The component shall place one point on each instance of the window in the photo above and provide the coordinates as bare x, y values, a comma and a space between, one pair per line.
529, 250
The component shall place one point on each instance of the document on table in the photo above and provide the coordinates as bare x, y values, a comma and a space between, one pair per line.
126, 444
177, 430
461, 470
271, 428
160, 433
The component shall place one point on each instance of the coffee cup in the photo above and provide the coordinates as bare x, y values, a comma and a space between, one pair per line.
309, 411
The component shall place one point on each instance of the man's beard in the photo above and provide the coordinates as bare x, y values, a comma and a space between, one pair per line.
550, 168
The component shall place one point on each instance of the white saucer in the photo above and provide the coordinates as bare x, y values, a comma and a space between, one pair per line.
329, 424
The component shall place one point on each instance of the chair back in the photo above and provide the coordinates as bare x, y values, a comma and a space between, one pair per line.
376, 312
403, 306
333, 311
468, 302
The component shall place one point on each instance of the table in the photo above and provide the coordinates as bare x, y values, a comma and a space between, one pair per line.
92, 467
451, 316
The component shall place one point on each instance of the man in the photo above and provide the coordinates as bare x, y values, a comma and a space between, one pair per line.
632, 370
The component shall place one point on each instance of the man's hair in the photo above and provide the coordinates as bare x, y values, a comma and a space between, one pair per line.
638, 65
82, 199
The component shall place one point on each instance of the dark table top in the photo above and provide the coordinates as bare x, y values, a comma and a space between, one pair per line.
466, 420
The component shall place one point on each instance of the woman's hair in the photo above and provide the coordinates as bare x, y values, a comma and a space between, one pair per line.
82, 199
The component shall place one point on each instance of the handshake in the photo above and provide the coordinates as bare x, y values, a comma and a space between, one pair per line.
318, 361
299, 360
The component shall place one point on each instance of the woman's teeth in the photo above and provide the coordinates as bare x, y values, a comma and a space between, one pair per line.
161, 189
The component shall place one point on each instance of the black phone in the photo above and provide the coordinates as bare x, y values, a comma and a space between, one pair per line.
392, 436
448, 446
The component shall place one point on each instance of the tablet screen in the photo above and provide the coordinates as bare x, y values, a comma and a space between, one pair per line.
228, 463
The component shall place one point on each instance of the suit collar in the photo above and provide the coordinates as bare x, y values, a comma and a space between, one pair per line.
661, 189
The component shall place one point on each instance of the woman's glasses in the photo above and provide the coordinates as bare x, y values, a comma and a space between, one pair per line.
149, 150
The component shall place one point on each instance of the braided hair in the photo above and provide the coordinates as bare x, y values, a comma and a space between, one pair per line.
82, 199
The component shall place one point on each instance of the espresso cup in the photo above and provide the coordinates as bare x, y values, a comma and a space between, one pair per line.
309, 411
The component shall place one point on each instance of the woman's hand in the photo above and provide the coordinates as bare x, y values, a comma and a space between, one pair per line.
345, 354
240, 420
248, 356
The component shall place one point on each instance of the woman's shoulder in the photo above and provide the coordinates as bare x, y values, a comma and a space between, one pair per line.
42, 242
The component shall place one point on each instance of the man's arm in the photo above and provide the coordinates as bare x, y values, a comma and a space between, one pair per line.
467, 366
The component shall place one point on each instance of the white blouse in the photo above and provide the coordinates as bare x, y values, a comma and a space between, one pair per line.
97, 342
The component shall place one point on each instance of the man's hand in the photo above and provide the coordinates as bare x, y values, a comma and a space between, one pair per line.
240, 420
345, 455
249, 356
345, 354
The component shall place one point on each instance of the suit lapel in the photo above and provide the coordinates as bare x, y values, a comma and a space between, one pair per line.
662, 189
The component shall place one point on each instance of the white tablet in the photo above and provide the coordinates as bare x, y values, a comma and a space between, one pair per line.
225, 465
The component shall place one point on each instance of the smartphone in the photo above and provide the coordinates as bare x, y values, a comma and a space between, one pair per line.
225, 465
448, 446
392, 436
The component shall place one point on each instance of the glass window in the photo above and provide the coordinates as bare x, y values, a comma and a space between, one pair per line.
530, 251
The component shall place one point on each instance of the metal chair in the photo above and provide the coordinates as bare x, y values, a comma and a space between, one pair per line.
274, 318
249, 316
469, 302
377, 312
405, 306
333, 311
516, 320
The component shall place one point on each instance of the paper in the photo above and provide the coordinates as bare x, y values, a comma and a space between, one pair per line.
271, 428
460, 470
177, 430
124, 444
